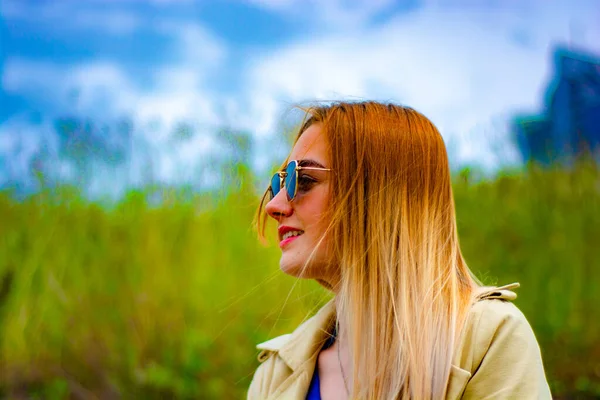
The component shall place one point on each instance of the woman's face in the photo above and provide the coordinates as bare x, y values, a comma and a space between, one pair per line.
305, 212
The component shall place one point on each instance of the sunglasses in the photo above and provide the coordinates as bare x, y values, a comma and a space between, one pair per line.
288, 180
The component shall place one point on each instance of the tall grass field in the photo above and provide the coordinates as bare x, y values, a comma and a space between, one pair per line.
167, 298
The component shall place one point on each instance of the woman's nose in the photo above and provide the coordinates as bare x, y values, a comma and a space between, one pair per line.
279, 206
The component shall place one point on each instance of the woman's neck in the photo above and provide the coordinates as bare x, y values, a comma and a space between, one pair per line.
342, 348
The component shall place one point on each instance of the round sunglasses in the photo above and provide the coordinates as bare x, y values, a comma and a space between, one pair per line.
288, 180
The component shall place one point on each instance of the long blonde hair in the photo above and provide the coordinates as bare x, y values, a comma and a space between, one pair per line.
405, 289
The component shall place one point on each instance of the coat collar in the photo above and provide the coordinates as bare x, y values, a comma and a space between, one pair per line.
306, 341
500, 292
300, 349
308, 338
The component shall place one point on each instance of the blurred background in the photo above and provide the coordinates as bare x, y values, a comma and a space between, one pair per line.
136, 138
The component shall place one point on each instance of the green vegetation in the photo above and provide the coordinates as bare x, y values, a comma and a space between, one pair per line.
153, 299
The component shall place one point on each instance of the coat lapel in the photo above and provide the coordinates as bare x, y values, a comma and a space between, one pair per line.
457, 382
301, 350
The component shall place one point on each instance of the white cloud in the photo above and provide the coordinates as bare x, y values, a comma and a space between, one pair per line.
329, 14
99, 87
106, 90
154, 2
195, 44
112, 22
466, 68
180, 89
69, 16
461, 67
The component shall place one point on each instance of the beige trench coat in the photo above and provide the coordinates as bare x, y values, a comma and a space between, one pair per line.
498, 357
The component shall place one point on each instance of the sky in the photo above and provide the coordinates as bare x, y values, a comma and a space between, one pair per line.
468, 65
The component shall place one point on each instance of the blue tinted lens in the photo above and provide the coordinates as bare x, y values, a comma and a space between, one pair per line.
275, 185
290, 180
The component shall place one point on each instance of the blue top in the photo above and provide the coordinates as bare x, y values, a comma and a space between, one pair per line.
314, 390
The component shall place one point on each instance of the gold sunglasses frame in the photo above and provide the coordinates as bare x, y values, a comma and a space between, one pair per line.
283, 174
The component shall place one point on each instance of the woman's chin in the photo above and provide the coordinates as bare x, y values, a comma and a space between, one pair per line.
295, 270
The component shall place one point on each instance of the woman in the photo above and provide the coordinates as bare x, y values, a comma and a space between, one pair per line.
364, 206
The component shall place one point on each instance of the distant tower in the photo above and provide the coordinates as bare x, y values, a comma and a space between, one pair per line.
570, 124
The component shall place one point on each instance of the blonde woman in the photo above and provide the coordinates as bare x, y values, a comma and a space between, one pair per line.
364, 206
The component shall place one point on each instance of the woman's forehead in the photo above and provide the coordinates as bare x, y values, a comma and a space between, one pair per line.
311, 145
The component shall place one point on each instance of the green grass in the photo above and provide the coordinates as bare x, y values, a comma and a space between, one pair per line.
542, 229
154, 299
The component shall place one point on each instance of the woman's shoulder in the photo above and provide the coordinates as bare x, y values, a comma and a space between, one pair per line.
493, 319
499, 350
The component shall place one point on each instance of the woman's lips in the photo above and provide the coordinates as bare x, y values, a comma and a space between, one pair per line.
285, 242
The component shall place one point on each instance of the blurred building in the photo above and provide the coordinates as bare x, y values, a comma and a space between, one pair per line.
570, 123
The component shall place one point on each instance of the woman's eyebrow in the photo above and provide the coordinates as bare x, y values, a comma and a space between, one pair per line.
310, 163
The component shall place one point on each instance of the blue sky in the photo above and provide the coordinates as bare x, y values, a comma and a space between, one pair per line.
468, 65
